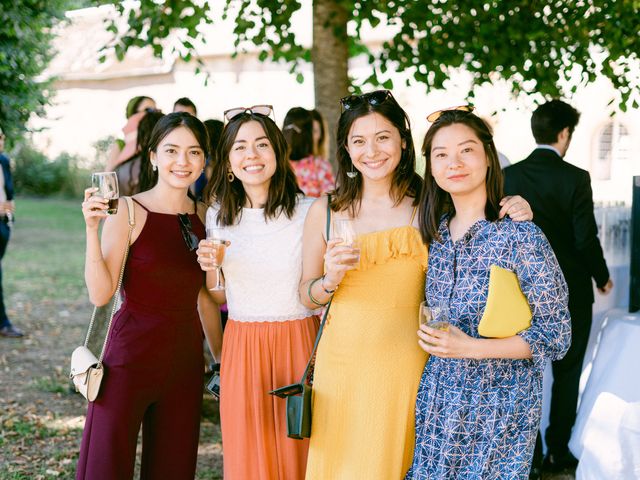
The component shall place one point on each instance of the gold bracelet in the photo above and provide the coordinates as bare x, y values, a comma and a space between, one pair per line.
311, 283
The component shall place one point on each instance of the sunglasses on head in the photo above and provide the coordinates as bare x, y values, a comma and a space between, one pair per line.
433, 117
188, 236
372, 98
264, 110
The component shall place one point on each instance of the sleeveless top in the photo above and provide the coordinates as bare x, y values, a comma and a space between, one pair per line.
161, 273
263, 265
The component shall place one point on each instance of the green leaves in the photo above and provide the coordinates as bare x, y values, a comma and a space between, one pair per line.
544, 47
25, 51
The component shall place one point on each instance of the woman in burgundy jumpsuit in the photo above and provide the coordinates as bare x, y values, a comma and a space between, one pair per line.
153, 359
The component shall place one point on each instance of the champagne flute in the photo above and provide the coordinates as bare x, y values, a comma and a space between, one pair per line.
107, 185
436, 316
215, 236
344, 228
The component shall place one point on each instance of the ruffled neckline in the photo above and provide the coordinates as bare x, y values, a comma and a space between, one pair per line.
379, 247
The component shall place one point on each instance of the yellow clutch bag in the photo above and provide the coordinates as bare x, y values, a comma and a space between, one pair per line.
507, 311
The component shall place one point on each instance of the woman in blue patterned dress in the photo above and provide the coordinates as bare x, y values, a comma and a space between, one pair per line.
479, 402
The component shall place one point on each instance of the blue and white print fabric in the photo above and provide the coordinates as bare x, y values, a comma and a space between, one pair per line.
478, 419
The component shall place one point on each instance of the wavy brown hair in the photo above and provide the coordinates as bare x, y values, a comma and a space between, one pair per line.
231, 196
434, 201
405, 182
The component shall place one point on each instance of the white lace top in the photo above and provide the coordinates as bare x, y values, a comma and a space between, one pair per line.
263, 265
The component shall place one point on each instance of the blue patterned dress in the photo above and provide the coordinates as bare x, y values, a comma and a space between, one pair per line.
478, 419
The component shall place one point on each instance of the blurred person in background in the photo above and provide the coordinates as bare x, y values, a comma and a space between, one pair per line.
314, 173
121, 150
562, 202
6, 219
131, 180
185, 104
319, 135
214, 130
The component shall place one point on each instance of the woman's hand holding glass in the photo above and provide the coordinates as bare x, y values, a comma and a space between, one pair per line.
211, 253
449, 343
94, 208
339, 258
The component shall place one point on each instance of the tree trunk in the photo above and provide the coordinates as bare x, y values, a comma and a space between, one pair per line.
330, 57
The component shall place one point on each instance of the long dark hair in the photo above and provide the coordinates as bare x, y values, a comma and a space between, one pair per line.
405, 182
145, 129
435, 201
165, 125
320, 148
231, 196
298, 132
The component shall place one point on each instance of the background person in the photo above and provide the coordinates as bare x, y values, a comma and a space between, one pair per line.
319, 135
131, 179
7, 208
562, 202
121, 150
185, 105
314, 173
214, 131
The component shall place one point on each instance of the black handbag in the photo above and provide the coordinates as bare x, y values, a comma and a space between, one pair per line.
298, 395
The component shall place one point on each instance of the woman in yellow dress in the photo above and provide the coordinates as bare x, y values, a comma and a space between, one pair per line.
368, 363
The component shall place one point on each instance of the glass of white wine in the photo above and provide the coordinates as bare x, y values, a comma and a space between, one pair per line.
344, 228
436, 316
215, 236
107, 185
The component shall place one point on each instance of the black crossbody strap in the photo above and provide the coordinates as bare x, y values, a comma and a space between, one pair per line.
326, 310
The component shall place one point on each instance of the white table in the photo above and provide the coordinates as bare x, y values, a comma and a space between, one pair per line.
606, 436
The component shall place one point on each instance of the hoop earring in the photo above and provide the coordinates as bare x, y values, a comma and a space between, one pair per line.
230, 176
352, 173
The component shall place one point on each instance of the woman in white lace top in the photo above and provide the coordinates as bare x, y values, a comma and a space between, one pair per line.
270, 334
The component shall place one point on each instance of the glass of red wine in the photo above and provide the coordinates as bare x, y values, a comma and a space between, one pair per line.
107, 185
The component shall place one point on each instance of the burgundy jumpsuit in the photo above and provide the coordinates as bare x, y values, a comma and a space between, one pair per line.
153, 364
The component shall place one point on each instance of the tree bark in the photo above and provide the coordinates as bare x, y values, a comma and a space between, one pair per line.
330, 57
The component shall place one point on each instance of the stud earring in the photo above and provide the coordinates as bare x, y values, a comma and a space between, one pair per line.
154, 167
230, 176
352, 173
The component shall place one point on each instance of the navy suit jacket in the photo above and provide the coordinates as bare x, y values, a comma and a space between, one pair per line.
562, 202
8, 179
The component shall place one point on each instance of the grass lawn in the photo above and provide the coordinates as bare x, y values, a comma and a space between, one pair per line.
41, 420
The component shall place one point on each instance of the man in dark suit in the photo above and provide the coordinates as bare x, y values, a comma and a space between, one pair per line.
6, 218
562, 202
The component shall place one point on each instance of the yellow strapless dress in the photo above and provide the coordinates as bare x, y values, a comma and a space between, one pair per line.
368, 364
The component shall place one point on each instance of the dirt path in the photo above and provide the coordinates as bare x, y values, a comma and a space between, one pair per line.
41, 418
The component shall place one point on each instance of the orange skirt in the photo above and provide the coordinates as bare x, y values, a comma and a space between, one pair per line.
258, 357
